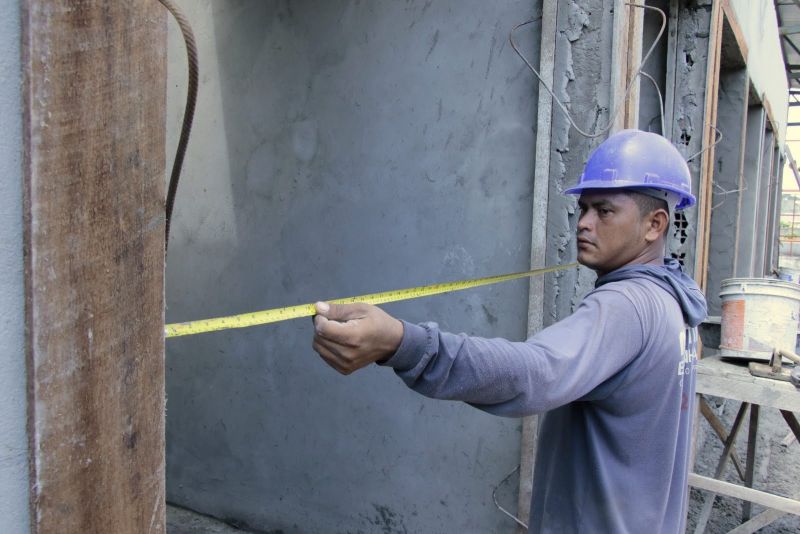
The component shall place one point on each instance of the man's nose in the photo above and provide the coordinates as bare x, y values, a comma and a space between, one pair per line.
584, 222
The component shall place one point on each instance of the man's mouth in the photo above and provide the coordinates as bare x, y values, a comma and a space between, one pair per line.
582, 241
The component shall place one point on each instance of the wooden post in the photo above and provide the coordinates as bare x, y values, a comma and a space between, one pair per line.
619, 63
635, 25
94, 122
541, 185
705, 190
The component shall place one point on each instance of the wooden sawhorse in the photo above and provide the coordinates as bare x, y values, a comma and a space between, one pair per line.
719, 378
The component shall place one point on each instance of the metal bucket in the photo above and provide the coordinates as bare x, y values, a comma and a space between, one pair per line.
758, 314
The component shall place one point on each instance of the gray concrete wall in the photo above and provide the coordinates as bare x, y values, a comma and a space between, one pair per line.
14, 517
343, 148
731, 116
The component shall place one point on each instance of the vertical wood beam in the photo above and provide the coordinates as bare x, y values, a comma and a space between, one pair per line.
541, 184
624, 63
619, 62
94, 121
635, 17
705, 191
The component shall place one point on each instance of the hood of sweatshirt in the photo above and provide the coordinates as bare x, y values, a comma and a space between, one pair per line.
671, 277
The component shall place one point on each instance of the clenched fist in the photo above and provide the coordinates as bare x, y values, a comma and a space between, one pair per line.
352, 336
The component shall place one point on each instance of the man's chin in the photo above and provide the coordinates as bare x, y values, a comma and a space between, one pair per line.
591, 263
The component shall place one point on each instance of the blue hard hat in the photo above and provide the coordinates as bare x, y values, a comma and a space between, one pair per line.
633, 159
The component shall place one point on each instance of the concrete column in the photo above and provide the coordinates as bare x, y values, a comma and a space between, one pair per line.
761, 230
14, 516
771, 254
749, 185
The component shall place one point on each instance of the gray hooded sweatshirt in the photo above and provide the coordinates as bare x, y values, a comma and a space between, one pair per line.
617, 381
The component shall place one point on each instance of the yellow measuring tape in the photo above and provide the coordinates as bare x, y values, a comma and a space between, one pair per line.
307, 310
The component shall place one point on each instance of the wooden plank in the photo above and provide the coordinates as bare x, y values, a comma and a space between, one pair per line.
752, 438
94, 121
705, 189
541, 184
619, 62
791, 420
736, 28
758, 522
635, 33
763, 498
731, 381
719, 429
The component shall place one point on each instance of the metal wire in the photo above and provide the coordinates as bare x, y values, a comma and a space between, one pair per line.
660, 100
561, 105
188, 114
497, 504
717, 135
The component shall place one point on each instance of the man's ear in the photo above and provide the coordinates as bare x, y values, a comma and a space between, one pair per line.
657, 223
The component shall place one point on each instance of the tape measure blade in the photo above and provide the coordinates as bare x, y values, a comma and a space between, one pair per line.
306, 310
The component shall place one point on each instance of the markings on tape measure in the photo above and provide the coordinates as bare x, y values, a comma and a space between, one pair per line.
307, 310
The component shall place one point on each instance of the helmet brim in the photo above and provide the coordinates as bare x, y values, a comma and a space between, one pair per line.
687, 199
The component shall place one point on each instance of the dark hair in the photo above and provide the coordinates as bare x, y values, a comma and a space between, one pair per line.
647, 204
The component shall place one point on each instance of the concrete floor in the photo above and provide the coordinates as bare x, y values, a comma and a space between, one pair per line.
182, 521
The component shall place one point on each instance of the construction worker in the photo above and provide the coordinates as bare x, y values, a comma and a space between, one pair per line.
615, 379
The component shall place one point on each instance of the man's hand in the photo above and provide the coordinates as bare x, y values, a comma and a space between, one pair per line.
352, 336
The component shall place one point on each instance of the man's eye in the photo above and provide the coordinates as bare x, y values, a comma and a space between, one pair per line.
604, 211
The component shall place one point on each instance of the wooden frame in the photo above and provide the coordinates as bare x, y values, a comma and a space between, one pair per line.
94, 122
705, 191
541, 185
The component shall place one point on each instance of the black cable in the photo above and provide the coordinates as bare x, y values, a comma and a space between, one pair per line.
188, 114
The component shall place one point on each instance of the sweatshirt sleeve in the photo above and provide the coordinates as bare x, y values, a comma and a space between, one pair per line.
560, 364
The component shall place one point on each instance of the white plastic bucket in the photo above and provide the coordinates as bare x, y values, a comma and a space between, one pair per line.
789, 274
758, 315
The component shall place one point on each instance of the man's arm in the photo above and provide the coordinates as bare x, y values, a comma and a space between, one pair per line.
560, 364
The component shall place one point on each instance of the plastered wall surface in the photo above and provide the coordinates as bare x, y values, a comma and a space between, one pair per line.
582, 30
343, 148
583, 73
759, 26
13, 440
688, 116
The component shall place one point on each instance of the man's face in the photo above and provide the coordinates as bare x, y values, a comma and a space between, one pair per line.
611, 232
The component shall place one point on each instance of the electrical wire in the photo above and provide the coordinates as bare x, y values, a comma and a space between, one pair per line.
188, 114
660, 100
718, 138
561, 105
497, 504
639, 71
